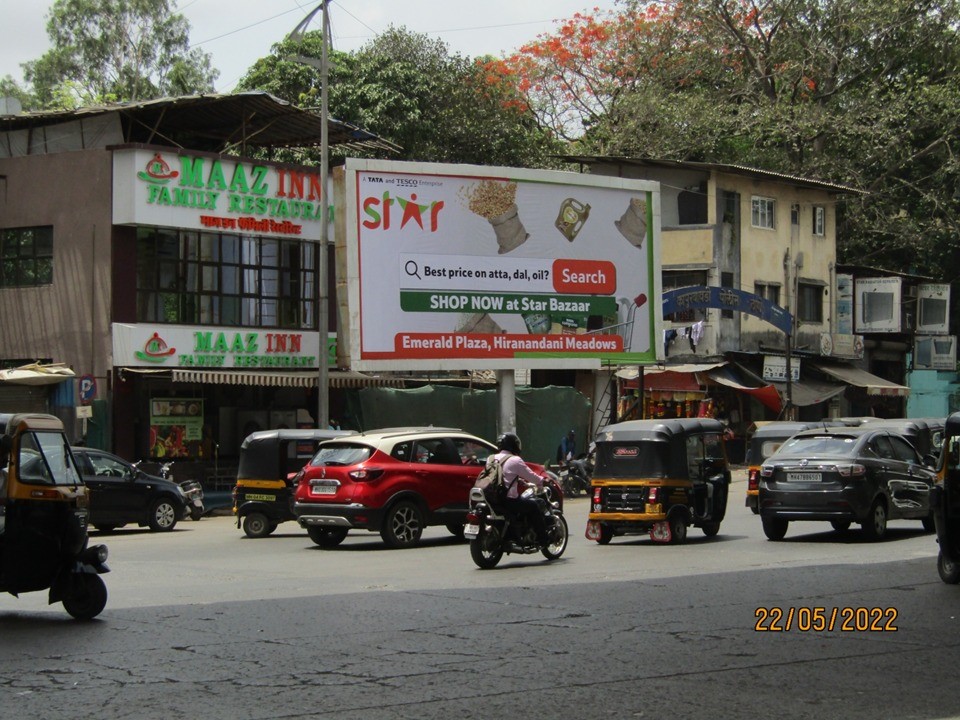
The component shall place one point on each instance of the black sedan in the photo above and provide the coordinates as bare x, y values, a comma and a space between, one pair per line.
845, 475
121, 493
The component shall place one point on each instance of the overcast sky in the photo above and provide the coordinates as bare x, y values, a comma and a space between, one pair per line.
237, 32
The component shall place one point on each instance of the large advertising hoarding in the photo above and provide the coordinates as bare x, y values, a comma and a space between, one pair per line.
466, 267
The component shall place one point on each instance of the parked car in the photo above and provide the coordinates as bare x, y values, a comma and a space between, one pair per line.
393, 481
123, 494
845, 475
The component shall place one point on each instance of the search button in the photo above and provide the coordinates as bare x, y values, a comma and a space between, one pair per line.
412, 269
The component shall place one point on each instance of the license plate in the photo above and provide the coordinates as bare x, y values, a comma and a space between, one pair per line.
654, 508
324, 489
804, 477
471, 531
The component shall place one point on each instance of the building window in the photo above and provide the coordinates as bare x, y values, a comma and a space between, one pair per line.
199, 278
810, 303
795, 215
26, 257
819, 220
768, 291
763, 212
675, 279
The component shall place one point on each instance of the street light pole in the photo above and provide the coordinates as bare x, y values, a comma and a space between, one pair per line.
323, 304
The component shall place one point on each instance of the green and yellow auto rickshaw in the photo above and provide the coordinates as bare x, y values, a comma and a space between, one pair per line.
659, 477
43, 518
269, 460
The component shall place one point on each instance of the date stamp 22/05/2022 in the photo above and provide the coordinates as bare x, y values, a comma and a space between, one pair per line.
824, 619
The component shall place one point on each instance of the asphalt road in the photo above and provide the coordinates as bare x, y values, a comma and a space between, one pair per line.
205, 623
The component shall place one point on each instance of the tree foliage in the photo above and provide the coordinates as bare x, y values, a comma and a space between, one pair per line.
411, 91
860, 92
117, 50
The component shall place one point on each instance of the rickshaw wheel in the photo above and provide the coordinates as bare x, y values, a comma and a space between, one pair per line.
327, 537
710, 529
87, 597
256, 525
678, 529
456, 529
840, 525
948, 569
606, 535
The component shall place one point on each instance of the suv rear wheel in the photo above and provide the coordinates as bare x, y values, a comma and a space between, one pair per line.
403, 525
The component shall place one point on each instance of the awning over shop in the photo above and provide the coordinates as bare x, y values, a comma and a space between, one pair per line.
861, 378
810, 392
336, 378
632, 373
729, 377
36, 374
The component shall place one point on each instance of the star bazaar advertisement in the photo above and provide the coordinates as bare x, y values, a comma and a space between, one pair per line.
469, 267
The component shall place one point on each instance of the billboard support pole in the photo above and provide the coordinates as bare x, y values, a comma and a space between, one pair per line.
507, 395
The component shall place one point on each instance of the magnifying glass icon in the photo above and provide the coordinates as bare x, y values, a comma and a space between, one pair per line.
412, 269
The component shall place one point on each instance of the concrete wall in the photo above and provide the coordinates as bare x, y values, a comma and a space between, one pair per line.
69, 320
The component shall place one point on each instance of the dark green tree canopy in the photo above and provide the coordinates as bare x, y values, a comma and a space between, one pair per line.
117, 50
410, 90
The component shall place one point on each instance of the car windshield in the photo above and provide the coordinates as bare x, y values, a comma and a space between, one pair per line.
632, 460
819, 445
45, 459
341, 454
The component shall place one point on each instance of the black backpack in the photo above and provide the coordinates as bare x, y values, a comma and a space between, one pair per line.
490, 480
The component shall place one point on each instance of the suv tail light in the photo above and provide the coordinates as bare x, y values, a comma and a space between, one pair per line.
365, 474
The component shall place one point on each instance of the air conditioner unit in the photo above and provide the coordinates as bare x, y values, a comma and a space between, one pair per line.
935, 353
933, 309
876, 307
909, 291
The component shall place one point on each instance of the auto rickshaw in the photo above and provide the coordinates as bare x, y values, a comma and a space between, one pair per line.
659, 477
766, 437
945, 502
43, 518
269, 459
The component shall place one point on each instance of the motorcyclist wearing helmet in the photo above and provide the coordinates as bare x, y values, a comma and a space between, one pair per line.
517, 476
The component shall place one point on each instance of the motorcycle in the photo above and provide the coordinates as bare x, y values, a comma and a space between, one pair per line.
575, 476
492, 531
192, 489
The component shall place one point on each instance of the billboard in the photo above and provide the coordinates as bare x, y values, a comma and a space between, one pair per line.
457, 267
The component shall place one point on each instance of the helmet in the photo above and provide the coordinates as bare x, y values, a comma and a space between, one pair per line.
510, 442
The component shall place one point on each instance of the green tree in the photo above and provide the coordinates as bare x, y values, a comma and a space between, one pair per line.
9, 88
117, 50
411, 91
861, 92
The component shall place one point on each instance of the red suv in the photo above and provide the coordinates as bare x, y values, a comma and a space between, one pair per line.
395, 481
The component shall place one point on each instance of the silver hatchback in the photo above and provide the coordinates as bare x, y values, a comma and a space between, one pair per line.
845, 475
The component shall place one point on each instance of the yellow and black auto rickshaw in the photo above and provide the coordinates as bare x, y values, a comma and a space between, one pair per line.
269, 459
43, 518
659, 477
945, 502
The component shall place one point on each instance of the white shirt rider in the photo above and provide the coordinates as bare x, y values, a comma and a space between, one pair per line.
514, 467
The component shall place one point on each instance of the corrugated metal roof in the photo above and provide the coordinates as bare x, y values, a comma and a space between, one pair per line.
715, 167
214, 123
